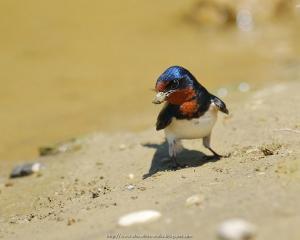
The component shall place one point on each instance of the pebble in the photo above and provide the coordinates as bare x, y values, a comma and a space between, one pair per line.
8, 184
130, 187
131, 176
122, 146
138, 217
71, 221
236, 229
25, 169
195, 200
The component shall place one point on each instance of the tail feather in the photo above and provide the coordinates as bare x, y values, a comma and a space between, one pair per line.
220, 104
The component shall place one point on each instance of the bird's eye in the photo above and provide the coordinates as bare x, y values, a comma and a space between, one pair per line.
175, 84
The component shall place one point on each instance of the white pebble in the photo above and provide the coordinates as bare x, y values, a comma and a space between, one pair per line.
131, 176
130, 187
26, 169
244, 87
139, 217
36, 167
195, 200
236, 229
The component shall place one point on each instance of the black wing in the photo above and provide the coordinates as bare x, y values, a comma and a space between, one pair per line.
165, 116
220, 104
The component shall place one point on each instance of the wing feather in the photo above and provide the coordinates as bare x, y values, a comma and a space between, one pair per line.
165, 116
220, 104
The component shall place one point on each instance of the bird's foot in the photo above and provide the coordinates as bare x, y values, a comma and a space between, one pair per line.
217, 156
175, 165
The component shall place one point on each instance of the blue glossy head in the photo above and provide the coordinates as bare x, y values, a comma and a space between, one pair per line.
175, 77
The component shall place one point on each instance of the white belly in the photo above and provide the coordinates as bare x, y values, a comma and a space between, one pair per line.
193, 128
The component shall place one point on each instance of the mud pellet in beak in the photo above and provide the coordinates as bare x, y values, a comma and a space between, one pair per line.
159, 98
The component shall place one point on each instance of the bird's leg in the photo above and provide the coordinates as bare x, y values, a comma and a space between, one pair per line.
206, 143
175, 164
173, 153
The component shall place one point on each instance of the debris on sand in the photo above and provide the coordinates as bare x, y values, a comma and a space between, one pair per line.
62, 147
195, 200
138, 217
71, 221
25, 169
8, 184
267, 152
270, 149
236, 229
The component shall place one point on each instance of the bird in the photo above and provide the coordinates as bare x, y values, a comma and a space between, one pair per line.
189, 112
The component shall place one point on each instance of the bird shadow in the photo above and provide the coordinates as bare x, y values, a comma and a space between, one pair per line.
188, 158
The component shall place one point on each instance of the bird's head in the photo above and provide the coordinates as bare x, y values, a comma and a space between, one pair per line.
175, 85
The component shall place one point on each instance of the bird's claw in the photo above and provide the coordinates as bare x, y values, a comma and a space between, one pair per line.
175, 165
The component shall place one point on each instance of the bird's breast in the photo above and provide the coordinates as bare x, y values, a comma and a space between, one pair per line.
193, 128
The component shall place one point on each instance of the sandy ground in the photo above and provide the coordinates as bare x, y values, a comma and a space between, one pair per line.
81, 194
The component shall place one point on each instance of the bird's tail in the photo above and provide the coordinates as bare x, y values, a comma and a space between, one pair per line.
220, 104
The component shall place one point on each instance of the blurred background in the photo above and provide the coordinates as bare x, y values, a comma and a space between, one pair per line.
72, 67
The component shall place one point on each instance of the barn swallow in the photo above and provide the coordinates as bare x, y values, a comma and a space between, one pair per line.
189, 112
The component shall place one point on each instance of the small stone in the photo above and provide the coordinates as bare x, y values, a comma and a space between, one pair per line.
195, 200
130, 187
71, 221
8, 184
236, 229
138, 217
25, 169
95, 194
131, 176
267, 152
